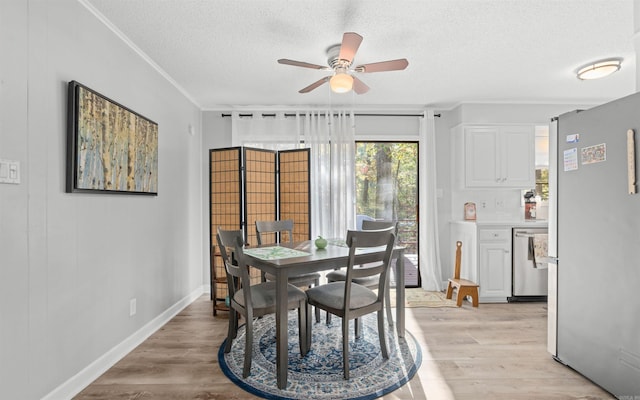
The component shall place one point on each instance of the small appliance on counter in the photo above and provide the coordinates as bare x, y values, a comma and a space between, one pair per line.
530, 205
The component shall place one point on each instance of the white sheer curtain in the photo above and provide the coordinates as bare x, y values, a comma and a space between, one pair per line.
430, 269
331, 137
273, 131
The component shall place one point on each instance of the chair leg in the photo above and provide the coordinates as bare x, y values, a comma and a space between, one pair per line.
449, 290
460, 297
328, 318
308, 321
474, 297
381, 335
387, 300
248, 346
232, 331
303, 323
345, 347
357, 324
317, 283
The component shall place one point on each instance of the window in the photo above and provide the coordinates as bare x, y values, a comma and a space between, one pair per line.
542, 162
387, 189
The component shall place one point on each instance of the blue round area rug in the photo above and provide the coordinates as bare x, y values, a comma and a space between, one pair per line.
319, 375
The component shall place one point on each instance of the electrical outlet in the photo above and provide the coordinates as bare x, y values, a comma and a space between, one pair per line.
9, 171
132, 307
482, 203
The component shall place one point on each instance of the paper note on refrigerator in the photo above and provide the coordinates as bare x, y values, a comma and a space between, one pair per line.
575, 138
594, 154
571, 159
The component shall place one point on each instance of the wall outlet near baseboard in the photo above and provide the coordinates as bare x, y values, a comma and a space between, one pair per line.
132, 307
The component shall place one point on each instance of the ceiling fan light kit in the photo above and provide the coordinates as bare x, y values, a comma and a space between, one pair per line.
599, 69
341, 82
340, 60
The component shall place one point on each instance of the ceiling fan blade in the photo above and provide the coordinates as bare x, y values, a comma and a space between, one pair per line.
314, 85
350, 43
391, 65
359, 87
301, 64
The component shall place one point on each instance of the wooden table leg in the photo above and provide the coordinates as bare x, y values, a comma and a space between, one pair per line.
400, 294
282, 339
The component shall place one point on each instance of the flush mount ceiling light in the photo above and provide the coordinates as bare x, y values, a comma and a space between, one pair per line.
599, 69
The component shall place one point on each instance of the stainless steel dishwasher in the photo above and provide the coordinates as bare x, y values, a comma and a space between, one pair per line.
529, 275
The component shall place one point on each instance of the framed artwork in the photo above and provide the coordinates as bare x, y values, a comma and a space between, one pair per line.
470, 211
110, 148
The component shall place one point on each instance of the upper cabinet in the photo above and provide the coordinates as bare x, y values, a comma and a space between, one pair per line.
499, 156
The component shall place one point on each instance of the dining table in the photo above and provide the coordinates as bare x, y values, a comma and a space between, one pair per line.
288, 259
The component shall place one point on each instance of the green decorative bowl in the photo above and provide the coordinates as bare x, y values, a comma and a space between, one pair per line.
321, 242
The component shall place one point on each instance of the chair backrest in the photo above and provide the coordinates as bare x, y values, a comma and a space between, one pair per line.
236, 268
380, 262
372, 225
276, 227
456, 274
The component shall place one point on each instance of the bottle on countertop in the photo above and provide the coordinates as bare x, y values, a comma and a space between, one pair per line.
530, 205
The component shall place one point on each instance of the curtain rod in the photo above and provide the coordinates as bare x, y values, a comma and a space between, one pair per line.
356, 114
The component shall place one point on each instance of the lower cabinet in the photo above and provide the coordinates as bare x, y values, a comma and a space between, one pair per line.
486, 258
494, 264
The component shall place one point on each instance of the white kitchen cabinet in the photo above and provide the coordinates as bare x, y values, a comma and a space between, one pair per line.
487, 255
499, 156
494, 264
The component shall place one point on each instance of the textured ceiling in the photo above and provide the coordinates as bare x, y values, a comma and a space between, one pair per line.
223, 53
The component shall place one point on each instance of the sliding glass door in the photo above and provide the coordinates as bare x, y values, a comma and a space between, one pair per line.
387, 189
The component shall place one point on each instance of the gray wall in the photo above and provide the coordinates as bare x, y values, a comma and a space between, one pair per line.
70, 263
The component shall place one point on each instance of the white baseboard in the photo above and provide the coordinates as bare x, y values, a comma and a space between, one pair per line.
82, 379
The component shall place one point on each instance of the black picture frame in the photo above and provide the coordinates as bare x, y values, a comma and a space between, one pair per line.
110, 148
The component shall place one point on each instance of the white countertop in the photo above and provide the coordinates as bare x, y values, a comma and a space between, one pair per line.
537, 223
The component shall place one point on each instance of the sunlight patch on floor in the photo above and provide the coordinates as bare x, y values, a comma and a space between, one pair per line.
433, 383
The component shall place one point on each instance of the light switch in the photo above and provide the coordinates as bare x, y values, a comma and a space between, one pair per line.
9, 171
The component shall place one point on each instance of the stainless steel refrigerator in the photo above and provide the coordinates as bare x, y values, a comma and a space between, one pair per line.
598, 245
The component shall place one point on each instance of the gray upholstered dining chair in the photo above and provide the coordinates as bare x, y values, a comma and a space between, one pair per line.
371, 281
253, 301
280, 229
349, 300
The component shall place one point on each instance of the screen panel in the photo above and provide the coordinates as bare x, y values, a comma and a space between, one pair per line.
294, 189
260, 190
225, 191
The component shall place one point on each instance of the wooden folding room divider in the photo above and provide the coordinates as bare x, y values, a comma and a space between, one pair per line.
247, 185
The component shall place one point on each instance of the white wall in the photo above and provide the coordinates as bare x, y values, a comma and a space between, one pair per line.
451, 150
70, 263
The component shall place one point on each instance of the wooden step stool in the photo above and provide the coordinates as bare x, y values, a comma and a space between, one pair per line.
464, 286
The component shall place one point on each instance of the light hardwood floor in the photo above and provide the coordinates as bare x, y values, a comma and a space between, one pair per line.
496, 351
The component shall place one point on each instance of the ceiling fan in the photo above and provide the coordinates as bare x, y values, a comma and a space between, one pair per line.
340, 59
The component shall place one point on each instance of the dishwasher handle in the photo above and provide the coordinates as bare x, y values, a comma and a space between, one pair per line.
549, 260
524, 235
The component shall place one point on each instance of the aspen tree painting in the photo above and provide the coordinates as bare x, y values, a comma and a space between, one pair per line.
111, 148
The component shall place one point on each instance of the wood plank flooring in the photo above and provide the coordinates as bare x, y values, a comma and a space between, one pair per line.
496, 351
